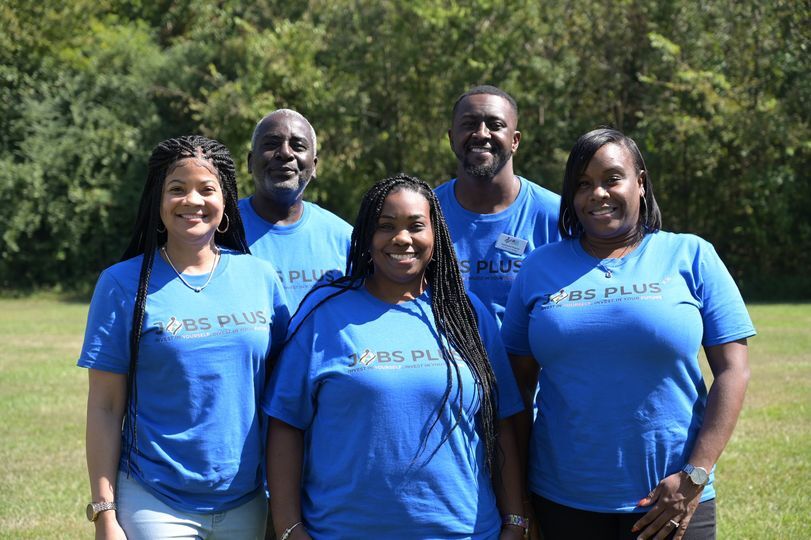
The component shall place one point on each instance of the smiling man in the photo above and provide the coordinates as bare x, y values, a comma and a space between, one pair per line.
495, 217
301, 239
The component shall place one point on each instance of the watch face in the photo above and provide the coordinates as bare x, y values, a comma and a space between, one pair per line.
89, 512
699, 476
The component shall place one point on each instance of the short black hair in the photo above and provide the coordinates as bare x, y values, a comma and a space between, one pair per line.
488, 90
650, 218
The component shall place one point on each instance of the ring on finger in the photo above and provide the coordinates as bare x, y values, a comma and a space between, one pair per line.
674, 523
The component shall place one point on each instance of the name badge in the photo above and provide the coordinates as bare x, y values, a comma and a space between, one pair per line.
511, 244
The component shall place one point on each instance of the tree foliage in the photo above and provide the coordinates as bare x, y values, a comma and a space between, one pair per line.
716, 93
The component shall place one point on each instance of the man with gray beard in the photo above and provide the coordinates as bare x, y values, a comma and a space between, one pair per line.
302, 240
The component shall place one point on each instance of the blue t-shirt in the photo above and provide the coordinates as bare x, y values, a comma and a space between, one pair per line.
364, 380
200, 375
621, 396
315, 245
491, 247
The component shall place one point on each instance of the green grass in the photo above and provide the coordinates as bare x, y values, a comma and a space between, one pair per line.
43, 483
763, 478
765, 474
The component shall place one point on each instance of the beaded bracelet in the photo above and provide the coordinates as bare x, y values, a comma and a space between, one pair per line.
515, 519
287, 531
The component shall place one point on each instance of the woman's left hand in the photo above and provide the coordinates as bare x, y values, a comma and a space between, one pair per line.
674, 501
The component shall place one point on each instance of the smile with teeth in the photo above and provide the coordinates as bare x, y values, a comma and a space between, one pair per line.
480, 149
402, 256
191, 217
603, 211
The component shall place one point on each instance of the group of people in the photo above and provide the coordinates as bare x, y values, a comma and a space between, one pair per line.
482, 360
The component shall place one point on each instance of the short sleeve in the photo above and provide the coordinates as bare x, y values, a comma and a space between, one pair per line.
509, 399
281, 316
109, 320
289, 396
515, 326
723, 311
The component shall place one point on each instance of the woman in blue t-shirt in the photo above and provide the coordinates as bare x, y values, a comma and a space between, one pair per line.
626, 436
389, 400
176, 341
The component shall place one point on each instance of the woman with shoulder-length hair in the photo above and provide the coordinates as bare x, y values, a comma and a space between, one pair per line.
389, 400
626, 437
176, 341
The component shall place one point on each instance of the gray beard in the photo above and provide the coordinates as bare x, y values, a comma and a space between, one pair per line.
287, 192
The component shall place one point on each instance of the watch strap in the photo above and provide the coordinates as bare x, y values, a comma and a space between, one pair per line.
96, 508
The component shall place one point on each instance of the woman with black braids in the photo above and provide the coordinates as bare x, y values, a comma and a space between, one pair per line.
176, 341
384, 404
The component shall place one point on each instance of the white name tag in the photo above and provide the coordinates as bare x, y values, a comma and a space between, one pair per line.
511, 244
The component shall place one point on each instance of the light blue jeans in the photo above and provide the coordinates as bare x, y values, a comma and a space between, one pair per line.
145, 517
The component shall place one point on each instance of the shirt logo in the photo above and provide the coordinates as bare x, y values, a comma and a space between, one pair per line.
560, 297
398, 359
367, 357
173, 326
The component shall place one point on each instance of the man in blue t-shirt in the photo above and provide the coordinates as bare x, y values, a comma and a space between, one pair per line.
302, 240
495, 217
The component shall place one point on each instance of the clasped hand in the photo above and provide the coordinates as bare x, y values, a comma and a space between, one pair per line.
674, 501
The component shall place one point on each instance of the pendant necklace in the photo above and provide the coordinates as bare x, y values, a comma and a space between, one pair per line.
186, 283
601, 264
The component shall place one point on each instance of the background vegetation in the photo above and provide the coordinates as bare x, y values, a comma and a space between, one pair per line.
716, 93
762, 476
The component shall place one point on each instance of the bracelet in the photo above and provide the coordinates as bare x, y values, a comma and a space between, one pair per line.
514, 519
287, 531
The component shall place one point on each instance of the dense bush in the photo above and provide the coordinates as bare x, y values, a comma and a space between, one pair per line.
715, 93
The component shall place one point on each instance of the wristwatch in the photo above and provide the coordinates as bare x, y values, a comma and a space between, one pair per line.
94, 509
698, 475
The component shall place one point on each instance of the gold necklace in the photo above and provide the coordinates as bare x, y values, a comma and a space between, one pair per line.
601, 264
186, 283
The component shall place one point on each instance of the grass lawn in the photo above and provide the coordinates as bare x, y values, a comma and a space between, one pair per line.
763, 477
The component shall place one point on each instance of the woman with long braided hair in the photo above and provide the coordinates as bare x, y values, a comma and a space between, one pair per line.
386, 401
176, 342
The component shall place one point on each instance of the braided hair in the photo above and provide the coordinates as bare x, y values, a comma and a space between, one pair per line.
453, 312
149, 234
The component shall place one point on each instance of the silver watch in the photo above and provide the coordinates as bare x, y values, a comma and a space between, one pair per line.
94, 509
698, 475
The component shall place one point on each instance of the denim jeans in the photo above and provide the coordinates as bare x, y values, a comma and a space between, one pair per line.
145, 517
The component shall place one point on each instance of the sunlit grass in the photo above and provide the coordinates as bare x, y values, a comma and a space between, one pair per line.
762, 479
43, 482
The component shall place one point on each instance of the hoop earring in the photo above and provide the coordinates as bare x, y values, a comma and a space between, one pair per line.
645, 211
227, 224
159, 230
